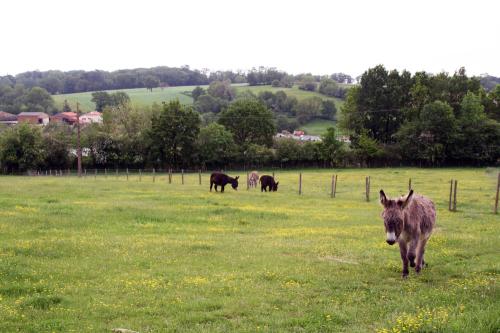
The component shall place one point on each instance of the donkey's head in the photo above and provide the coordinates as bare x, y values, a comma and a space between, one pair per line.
234, 183
275, 186
393, 215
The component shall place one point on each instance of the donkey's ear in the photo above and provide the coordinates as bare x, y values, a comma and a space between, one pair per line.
236, 177
383, 198
405, 202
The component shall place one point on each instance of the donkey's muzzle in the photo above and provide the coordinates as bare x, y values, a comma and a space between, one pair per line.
391, 242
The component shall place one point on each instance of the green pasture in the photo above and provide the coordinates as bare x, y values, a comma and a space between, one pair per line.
139, 96
294, 91
144, 97
317, 126
93, 254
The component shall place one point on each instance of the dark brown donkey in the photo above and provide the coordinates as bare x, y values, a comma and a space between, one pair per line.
220, 179
409, 221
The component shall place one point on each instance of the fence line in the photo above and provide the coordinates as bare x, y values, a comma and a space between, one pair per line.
329, 186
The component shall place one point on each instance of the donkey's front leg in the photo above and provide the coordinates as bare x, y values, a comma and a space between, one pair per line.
412, 251
403, 250
420, 255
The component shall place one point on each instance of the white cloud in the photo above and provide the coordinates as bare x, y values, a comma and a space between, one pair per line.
296, 36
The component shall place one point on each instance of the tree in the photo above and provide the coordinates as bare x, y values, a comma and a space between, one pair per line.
21, 148
101, 99
151, 82
258, 154
308, 109
221, 89
66, 107
331, 88
216, 145
332, 150
250, 122
432, 137
328, 110
197, 92
308, 83
173, 135
39, 100
56, 146
209, 104
288, 151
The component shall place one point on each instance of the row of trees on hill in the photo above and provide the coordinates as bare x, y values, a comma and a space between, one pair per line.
60, 82
423, 119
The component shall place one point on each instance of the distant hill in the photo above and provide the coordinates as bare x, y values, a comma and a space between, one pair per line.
489, 82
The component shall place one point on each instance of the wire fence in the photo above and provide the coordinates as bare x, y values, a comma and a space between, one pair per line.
467, 195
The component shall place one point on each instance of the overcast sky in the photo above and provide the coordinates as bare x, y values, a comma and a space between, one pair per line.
315, 36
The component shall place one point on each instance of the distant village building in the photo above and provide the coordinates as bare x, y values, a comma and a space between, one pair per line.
7, 118
64, 118
91, 118
36, 118
314, 138
298, 135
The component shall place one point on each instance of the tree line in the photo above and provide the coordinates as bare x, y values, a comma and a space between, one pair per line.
423, 119
391, 117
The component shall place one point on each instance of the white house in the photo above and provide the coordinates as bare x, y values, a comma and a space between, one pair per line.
91, 117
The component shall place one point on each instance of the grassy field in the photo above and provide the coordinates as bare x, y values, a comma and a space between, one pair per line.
89, 255
140, 96
295, 91
317, 126
143, 97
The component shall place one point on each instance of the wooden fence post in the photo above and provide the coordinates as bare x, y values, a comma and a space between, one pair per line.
367, 188
199, 176
273, 174
95, 173
455, 196
498, 190
248, 182
85, 173
127, 174
451, 193
140, 174
154, 175
116, 173
409, 184
182, 176
300, 183
170, 176
335, 187
105, 173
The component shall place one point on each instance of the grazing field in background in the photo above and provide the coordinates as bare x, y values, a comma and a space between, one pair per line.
144, 97
318, 126
89, 255
139, 96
